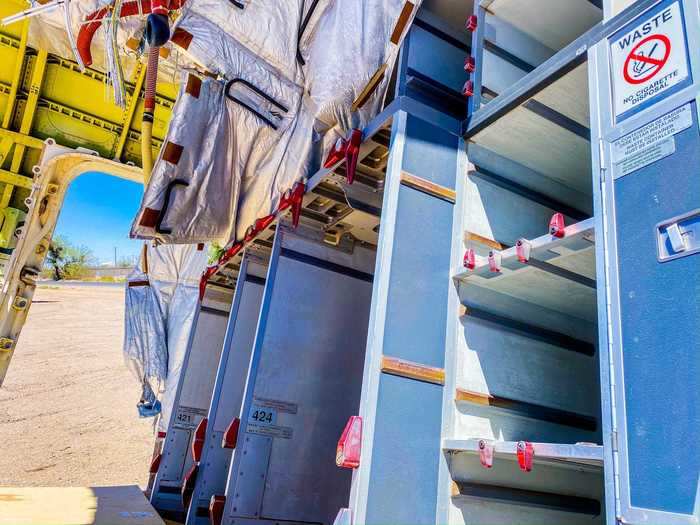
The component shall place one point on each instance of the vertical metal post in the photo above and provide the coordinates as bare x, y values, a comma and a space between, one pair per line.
397, 481
477, 52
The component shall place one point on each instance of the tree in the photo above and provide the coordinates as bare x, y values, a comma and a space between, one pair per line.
66, 260
54, 258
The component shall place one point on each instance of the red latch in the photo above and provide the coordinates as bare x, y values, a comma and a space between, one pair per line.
486, 453
469, 64
211, 270
161, 434
261, 224
188, 486
522, 249
336, 154
556, 225
296, 199
285, 201
469, 259
352, 154
525, 455
347, 454
495, 261
250, 233
231, 435
155, 464
198, 441
472, 23
216, 509
468, 89
258, 226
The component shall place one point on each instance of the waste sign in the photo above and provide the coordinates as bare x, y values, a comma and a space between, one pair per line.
649, 57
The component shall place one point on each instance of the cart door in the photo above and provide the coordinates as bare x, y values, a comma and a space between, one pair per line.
643, 82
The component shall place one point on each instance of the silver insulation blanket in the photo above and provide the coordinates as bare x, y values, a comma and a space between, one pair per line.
163, 315
175, 271
48, 31
145, 346
192, 191
267, 28
353, 43
240, 145
273, 137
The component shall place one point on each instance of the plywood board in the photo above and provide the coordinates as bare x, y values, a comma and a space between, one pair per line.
122, 505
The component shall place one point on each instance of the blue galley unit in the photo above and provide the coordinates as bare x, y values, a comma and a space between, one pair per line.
506, 296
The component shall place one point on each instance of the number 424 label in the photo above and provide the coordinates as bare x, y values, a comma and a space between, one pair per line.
262, 415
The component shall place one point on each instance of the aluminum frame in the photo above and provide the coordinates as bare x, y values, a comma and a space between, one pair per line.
604, 132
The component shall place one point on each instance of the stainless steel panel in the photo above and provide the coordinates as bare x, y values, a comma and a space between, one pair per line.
307, 368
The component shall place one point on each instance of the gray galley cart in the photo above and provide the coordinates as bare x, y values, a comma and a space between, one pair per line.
191, 400
644, 88
519, 337
229, 386
303, 383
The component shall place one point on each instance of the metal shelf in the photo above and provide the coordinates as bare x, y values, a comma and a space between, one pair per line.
559, 275
549, 134
559, 65
563, 478
577, 456
554, 23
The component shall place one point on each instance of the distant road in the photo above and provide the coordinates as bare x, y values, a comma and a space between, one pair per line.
75, 284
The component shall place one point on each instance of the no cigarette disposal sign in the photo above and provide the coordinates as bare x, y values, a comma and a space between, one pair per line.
648, 58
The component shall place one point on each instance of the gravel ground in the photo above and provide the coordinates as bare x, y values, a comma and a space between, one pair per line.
67, 408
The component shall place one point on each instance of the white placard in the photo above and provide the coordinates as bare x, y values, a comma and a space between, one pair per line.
649, 134
645, 157
648, 59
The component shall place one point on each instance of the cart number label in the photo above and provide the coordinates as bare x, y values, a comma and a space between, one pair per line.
262, 415
648, 57
187, 418
262, 418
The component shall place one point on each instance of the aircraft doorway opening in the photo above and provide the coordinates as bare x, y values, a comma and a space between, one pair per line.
68, 412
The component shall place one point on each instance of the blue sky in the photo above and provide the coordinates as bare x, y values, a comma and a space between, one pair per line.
97, 213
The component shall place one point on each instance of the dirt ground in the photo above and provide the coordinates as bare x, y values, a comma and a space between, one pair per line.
67, 408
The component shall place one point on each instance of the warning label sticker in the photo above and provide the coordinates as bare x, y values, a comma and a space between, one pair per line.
274, 431
656, 152
651, 142
649, 58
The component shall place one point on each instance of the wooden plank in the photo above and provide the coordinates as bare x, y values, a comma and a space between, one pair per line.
124, 505
417, 183
485, 241
477, 398
411, 370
